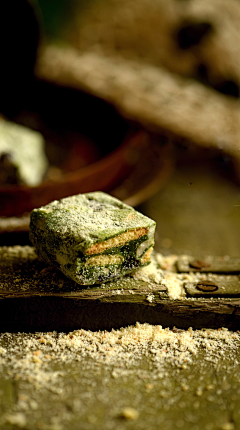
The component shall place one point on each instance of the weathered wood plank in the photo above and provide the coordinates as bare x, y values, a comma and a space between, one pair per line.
35, 297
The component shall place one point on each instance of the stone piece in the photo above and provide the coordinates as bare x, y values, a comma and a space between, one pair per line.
22, 155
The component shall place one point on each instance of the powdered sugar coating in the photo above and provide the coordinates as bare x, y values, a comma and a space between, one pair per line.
66, 232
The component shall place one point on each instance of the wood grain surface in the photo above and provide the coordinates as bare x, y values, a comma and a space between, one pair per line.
36, 297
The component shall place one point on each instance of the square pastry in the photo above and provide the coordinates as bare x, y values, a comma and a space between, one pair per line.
92, 238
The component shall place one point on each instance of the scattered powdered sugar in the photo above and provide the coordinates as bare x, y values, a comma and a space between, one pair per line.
162, 271
150, 298
174, 285
30, 357
166, 262
149, 354
142, 351
174, 282
18, 419
151, 273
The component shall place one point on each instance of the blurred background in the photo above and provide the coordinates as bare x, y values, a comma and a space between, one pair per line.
136, 98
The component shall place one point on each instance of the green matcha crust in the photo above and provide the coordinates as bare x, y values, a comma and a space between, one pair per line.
22, 155
92, 237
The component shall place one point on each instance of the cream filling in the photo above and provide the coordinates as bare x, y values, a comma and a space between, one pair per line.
151, 231
104, 260
120, 240
142, 247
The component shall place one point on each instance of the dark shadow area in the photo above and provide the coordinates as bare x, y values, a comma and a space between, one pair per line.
14, 238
